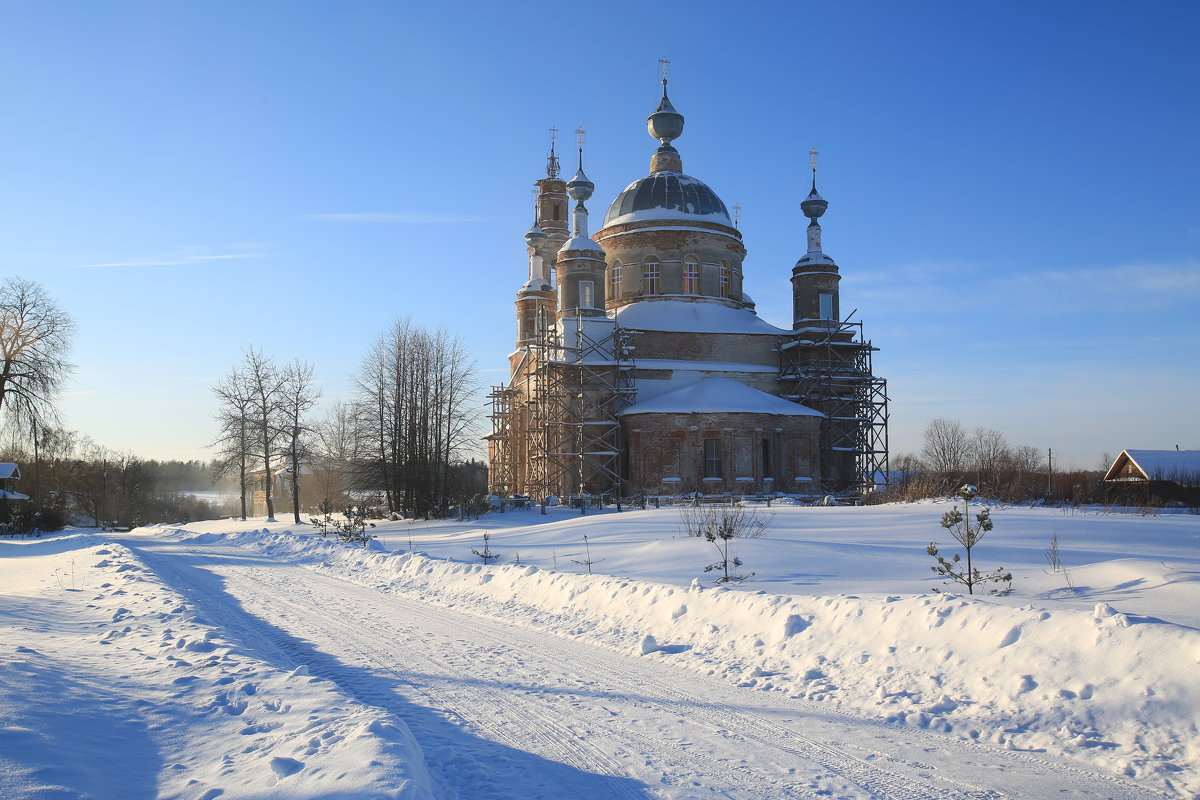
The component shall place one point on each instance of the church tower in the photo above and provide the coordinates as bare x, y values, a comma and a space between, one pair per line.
535, 299
815, 277
580, 264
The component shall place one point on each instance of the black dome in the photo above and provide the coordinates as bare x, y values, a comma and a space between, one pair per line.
675, 195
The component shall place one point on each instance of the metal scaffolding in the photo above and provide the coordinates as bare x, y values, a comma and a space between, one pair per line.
827, 367
555, 425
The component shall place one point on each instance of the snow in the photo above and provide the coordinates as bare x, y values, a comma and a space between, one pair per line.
655, 214
636, 231
581, 243
692, 317
811, 258
717, 395
705, 366
253, 660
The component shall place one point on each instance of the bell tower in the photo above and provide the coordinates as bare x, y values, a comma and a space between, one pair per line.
815, 277
580, 264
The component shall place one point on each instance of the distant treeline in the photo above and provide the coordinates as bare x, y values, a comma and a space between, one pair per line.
70, 479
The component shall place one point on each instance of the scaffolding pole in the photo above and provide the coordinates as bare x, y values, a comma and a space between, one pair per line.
556, 429
828, 367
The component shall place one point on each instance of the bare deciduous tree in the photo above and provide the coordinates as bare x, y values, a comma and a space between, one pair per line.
265, 382
415, 391
945, 447
233, 441
296, 398
340, 448
35, 338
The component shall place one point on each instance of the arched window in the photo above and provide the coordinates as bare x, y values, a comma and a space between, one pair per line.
691, 276
650, 276
726, 280
614, 281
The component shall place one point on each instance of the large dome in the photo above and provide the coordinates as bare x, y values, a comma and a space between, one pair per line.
667, 195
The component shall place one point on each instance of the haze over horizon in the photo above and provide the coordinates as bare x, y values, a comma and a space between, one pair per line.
1011, 188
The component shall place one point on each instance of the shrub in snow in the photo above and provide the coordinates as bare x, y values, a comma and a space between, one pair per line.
720, 525
959, 525
353, 529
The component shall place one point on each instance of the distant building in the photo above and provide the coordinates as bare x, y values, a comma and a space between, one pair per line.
1180, 467
281, 488
10, 474
641, 367
1169, 475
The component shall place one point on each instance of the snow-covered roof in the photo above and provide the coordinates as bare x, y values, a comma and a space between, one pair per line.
720, 395
536, 285
4, 495
675, 364
812, 259
667, 195
652, 214
581, 243
1182, 466
692, 317
9, 470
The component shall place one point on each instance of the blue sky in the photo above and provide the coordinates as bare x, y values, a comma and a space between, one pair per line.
1012, 187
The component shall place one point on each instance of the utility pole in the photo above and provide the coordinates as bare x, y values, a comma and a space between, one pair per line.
1050, 470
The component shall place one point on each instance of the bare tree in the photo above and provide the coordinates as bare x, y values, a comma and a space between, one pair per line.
265, 387
990, 452
339, 449
234, 439
415, 389
945, 447
35, 338
297, 396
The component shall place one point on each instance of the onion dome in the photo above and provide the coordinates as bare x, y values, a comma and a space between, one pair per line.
535, 238
665, 124
814, 205
579, 187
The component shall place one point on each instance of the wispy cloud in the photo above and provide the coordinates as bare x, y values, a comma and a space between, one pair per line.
1149, 285
173, 261
401, 218
1179, 277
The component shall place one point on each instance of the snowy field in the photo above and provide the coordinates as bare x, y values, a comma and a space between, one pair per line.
254, 660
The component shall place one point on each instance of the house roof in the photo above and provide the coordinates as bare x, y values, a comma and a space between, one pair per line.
1180, 466
9, 470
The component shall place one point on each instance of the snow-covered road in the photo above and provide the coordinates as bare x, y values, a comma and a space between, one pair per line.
502, 710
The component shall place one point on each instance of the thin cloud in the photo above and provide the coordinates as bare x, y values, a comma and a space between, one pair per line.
1181, 277
401, 218
175, 261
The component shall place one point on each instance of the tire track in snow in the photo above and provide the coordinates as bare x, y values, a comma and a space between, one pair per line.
737, 725
532, 729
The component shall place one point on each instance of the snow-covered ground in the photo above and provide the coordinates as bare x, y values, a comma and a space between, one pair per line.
253, 660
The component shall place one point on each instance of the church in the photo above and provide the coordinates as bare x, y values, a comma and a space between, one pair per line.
641, 368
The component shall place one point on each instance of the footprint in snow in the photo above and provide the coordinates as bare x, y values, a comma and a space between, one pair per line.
283, 767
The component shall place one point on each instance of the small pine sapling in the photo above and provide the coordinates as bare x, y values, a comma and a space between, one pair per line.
326, 524
720, 526
959, 525
486, 553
